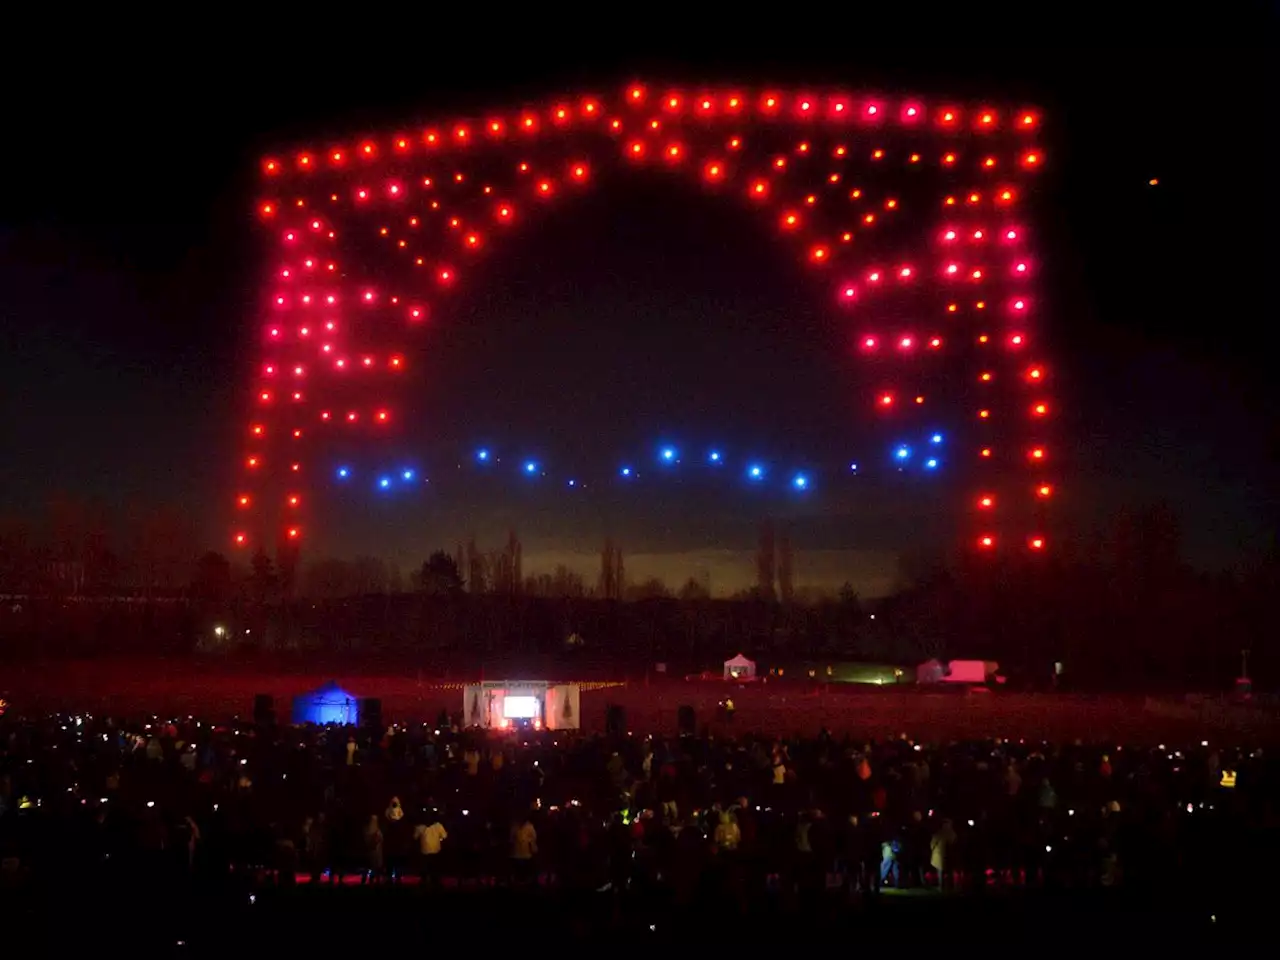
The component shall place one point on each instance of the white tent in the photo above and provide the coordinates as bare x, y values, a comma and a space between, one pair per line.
739, 668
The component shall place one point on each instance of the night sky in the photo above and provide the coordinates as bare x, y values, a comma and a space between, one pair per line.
129, 282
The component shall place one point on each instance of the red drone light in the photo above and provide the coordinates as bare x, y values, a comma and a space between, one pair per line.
1035, 542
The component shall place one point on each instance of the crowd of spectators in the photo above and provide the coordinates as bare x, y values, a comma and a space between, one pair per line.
183, 801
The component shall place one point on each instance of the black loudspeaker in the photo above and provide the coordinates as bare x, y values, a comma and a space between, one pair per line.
371, 713
264, 708
615, 719
687, 720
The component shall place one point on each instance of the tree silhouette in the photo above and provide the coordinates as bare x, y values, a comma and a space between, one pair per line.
439, 576
212, 581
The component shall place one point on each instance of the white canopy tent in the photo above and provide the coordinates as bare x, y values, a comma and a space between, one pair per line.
739, 668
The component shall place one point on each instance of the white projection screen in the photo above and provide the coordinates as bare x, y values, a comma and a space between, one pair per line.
520, 708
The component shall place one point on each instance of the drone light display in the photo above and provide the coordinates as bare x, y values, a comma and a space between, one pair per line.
913, 215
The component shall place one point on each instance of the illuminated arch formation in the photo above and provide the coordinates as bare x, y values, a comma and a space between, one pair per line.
911, 213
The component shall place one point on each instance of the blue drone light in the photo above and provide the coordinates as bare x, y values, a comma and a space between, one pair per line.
625, 471
931, 464
853, 468
800, 481
573, 483
668, 454
384, 483
482, 455
936, 438
530, 467
755, 472
343, 473
714, 457
903, 452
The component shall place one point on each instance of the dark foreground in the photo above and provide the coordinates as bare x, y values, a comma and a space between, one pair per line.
501, 922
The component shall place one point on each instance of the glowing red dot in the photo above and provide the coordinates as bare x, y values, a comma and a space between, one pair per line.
949, 235
241, 539
715, 170
1019, 305
790, 221
986, 452
819, 254
265, 396
904, 273
987, 542
1036, 543
874, 277
760, 188
987, 501
1031, 159
579, 171
886, 400
397, 362
1040, 409
445, 275
1011, 235
1044, 491
294, 533
268, 209
872, 110
935, 342
1036, 453
251, 463
382, 416
869, 343
849, 293
906, 343
544, 187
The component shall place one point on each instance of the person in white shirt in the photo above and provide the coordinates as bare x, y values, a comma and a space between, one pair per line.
430, 836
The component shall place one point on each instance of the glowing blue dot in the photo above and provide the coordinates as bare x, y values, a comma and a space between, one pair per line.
530, 467
669, 454
343, 473
903, 452
482, 456
800, 481
407, 475
573, 483
936, 438
384, 483
625, 471
853, 467
755, 472
931, 463
714, 456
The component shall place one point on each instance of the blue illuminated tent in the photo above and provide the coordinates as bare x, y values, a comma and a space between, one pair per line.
329, 704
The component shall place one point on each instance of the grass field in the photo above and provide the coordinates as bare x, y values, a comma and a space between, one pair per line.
225, 690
